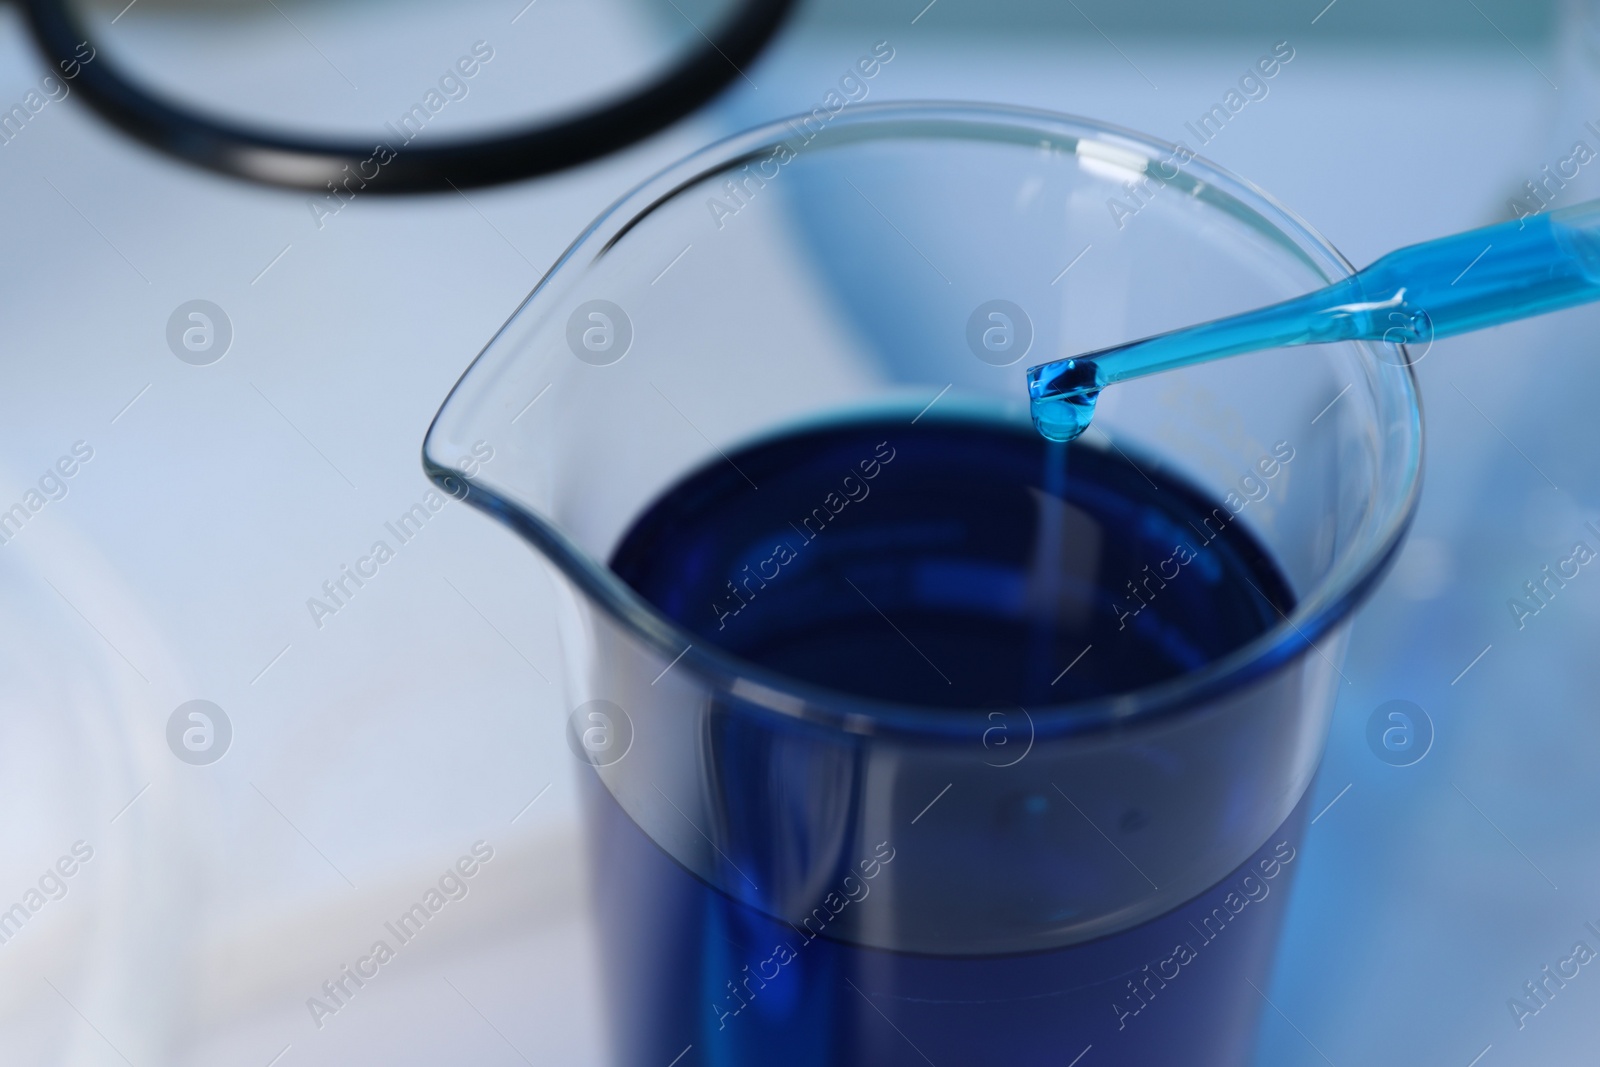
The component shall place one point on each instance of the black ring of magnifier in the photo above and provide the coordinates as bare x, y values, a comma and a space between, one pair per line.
273, 158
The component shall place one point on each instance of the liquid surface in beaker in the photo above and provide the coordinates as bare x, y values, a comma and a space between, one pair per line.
950, 563
953, 562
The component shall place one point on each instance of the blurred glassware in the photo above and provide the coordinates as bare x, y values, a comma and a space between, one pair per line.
331, 96
101, 835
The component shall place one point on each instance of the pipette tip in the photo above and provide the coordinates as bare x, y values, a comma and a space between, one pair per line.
1062, 396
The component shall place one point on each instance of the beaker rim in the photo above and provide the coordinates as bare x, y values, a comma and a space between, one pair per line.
1326, 605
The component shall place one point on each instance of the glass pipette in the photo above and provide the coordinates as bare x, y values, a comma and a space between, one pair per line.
1465, 282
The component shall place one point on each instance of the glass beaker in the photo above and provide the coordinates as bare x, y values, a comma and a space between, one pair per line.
787, 873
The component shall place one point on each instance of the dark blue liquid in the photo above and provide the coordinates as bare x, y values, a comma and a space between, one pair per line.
975, 565
955, 564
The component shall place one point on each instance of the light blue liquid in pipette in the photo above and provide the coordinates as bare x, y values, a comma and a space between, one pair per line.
1456, 284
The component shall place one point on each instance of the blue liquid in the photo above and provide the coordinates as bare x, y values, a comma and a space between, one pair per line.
973, 565
996, 557
1467, 281
671, 945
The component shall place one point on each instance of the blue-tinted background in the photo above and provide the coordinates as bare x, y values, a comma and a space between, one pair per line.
178, 565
